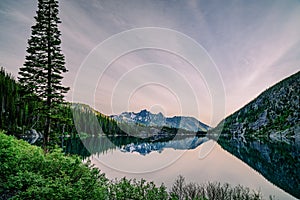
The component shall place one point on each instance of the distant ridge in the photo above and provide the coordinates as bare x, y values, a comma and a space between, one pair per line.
147, 118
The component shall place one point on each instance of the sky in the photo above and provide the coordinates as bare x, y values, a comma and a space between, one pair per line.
244, 47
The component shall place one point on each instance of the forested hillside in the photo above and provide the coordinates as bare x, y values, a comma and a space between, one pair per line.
266, 134
19, 117
16, 115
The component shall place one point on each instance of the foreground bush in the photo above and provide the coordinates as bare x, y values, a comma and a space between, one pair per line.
210, 191
133, 189
26, 172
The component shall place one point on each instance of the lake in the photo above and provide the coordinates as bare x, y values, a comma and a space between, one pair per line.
198, 159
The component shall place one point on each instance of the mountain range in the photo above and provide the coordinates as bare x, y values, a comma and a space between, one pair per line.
146, 118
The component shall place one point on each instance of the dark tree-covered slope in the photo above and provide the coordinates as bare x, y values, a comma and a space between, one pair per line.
266, 134
19, 117
15, 115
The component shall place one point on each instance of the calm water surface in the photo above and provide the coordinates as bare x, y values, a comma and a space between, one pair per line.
197, 159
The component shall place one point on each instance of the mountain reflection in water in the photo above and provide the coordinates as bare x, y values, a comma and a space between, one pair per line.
198, 159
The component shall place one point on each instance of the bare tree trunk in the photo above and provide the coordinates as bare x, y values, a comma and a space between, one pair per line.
46, 139
49, 91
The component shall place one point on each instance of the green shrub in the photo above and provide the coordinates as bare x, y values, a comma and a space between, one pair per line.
212, 191
133, 189
26, 172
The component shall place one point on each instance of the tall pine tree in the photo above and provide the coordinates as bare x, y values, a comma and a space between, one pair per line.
44, 64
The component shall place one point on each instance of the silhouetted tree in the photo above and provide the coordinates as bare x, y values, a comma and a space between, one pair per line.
41, 74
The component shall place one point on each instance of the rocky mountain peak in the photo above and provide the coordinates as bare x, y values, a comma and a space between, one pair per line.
146, 118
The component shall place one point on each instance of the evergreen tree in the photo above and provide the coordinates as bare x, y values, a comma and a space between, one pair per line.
41, 74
